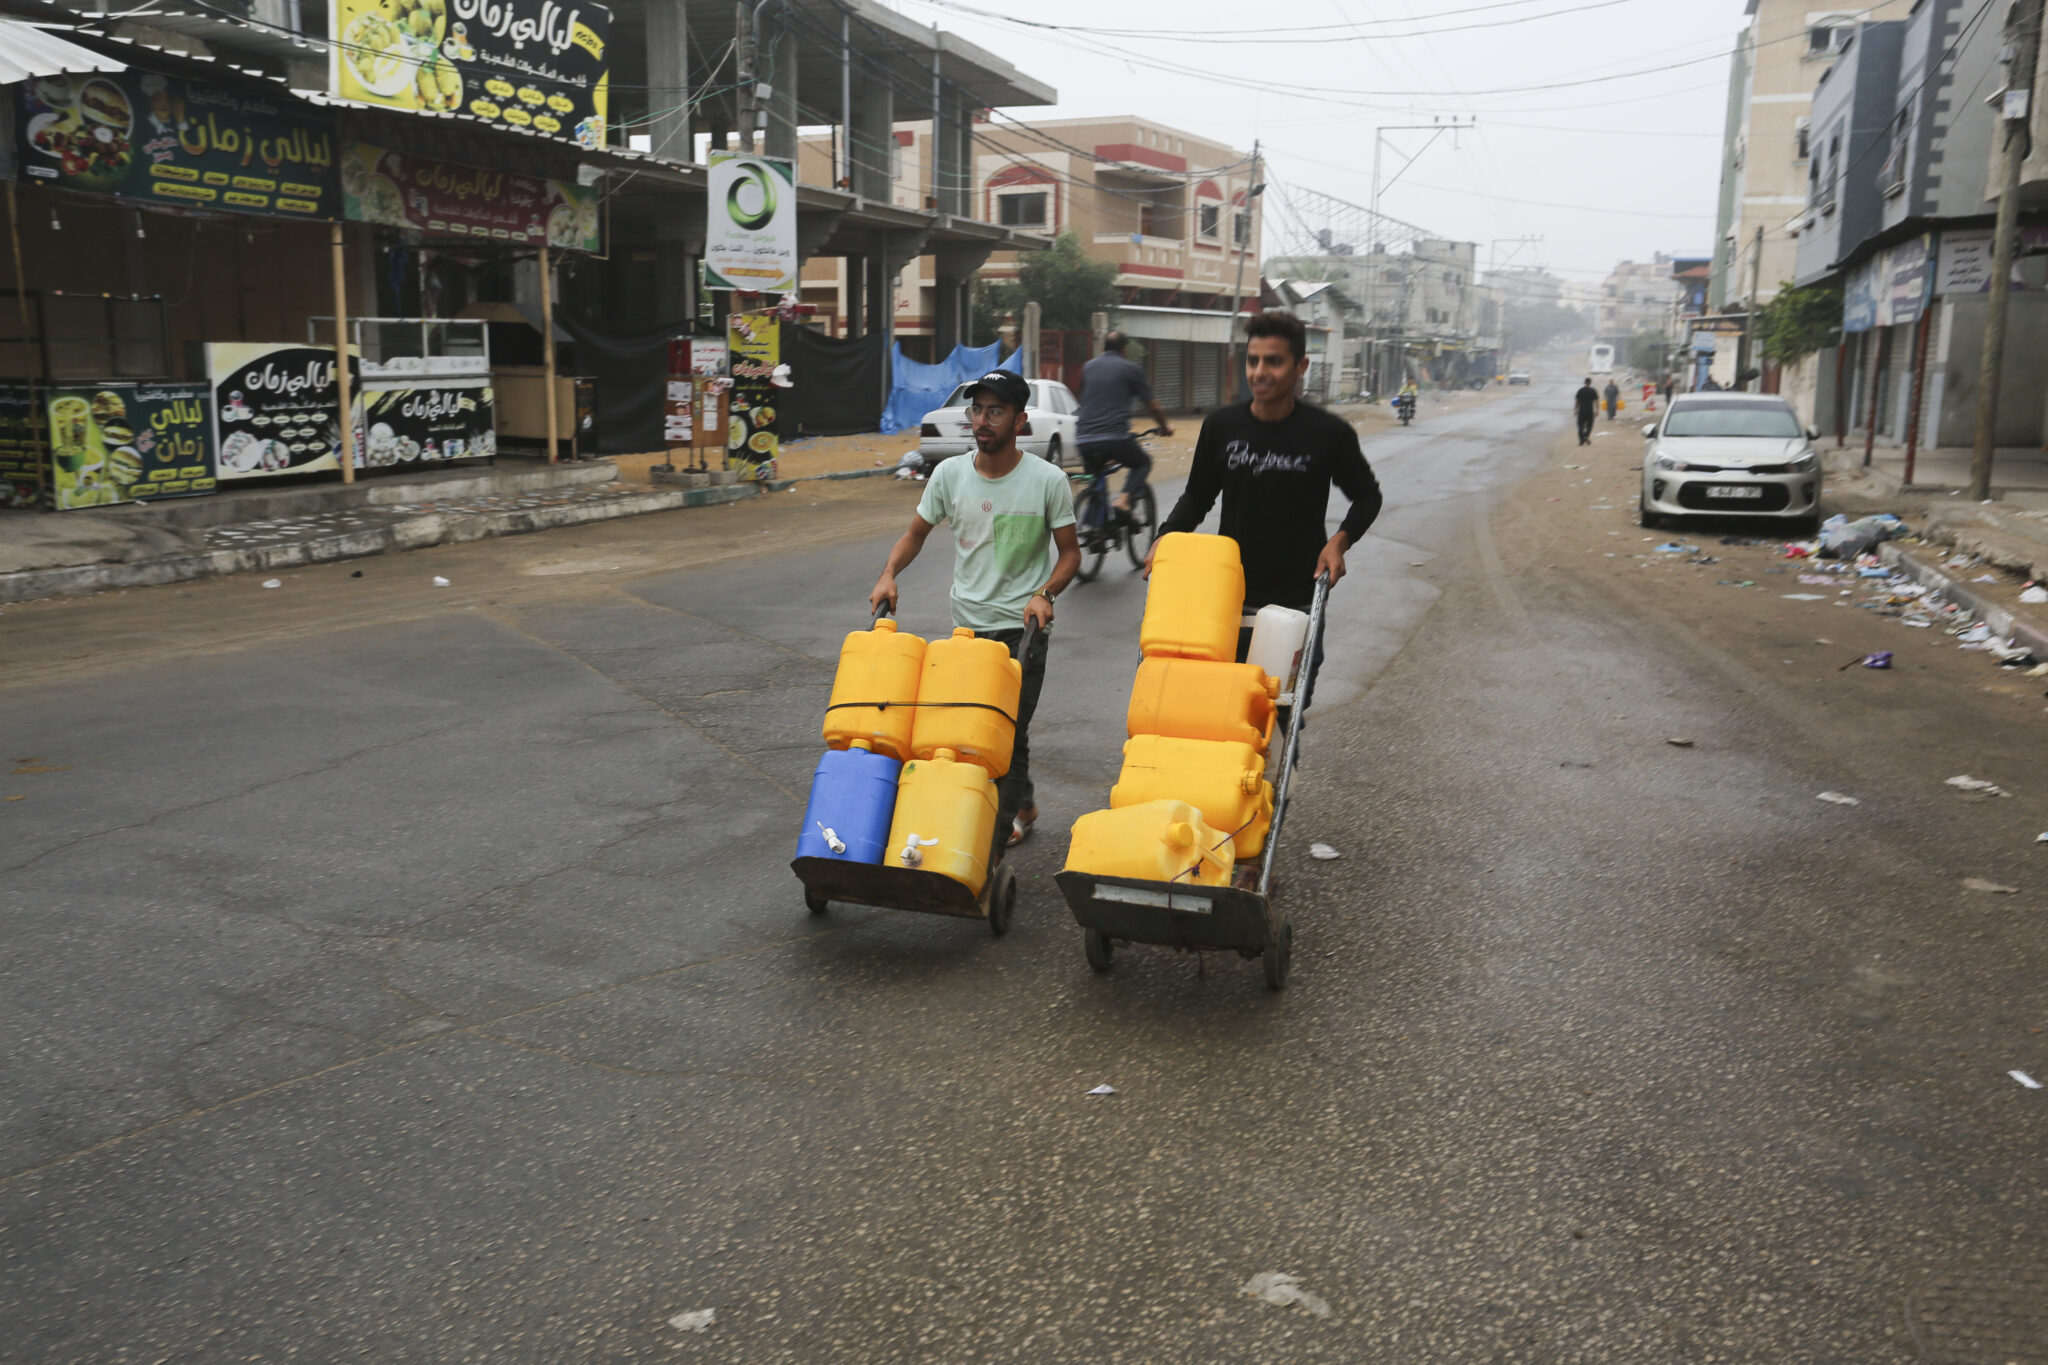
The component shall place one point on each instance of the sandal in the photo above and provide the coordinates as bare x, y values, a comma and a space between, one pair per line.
1020, 826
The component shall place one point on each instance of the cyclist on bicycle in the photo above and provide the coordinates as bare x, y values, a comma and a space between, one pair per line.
1109, 384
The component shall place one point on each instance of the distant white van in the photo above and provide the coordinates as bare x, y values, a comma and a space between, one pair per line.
1602, 360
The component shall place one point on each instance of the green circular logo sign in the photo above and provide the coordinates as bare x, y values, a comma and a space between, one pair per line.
757, 176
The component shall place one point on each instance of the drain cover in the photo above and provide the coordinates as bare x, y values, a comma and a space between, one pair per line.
1983, 1315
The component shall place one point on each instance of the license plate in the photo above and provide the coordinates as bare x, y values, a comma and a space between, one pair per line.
1735, 490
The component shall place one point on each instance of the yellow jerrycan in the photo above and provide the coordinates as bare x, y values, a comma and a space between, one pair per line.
876, 666
1223, 780
1158, 841
945, 820
1199, 699
1196, 601
967, 701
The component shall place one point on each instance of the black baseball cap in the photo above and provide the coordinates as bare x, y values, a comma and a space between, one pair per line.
1004, 387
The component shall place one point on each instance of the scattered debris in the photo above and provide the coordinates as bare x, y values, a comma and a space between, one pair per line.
1282, 1290
1323, 853
1103, 1090
2024, 1079
273, 582
1985, 578
1837, 799
357, 574
696, 1320
1672, 547
1677, 743
1841, 538
1802, 597
440, 582
1965, 782
1989, 887
2034, 594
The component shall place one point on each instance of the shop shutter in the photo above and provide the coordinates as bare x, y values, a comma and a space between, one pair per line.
1170, 374
1207, 388
1899, 389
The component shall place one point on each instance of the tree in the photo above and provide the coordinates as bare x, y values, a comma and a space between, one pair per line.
1799, 322
1067, 285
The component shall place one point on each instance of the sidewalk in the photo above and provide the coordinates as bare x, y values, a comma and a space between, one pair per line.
55, 554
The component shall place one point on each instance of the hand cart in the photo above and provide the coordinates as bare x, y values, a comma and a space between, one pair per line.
908, 888
1113, 910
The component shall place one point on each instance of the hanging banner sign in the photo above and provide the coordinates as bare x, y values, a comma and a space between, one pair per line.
1904, 274
442, 199
536, 65
428, 422
755, 344
139, 135
750, 237
115, 443
275, 408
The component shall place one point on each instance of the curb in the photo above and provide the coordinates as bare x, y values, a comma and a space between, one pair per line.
884, 472
1998, 617
413, 533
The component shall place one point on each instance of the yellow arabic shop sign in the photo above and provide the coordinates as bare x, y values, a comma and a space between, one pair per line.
535, 65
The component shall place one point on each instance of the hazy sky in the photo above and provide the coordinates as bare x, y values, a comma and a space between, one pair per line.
1604, 171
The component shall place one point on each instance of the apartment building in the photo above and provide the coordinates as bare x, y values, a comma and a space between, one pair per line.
1900, 204
1782, 53
1422, 313
1638, 298
1170, 209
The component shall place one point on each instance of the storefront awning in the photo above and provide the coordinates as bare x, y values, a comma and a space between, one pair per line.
27, 51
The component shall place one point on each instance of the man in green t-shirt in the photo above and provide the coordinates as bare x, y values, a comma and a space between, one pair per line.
1015, 552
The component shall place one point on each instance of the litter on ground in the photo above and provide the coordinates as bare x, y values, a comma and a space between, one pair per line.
273, 582
1989, 887
1103, 1090
1677, 743
696, 1320
2024, 1079
1837, 799
1967, 783
1323, 853
1282, 1290
2034, 595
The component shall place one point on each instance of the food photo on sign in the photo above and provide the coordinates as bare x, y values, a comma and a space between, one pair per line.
534, 65
755, 343
443, 199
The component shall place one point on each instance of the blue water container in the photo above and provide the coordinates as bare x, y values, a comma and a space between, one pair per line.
853, 794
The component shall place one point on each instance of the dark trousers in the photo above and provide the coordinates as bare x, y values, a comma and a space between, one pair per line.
1585, 427
1127, 451
1015, 792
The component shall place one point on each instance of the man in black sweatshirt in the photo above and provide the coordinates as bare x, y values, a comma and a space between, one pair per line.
1273, 460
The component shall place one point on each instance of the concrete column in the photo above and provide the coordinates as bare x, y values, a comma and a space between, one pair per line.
855, 304
778, 69
668, 79
874, 139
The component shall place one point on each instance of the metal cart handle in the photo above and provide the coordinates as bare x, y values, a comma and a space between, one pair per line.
1304, 685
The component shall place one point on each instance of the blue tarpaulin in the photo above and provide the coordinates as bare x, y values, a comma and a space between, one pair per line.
916, 388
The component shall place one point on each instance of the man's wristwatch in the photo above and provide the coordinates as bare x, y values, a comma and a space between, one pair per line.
1048, 595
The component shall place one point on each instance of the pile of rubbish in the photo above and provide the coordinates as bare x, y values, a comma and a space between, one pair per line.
1844, 557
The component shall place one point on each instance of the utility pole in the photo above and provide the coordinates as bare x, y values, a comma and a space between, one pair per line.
1253, 189
1439, 128
1746, 349
743, 62
2023, 31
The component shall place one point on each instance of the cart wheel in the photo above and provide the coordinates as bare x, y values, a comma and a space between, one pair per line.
1279, 955
816, 903
1002, 901
1097, 946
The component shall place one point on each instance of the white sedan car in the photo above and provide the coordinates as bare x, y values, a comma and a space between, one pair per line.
1730, 454
1049, 431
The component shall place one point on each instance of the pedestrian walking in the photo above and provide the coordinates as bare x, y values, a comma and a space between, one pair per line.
1587, 402
1015, 551
1613, 396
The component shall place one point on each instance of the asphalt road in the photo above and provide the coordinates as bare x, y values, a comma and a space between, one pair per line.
401, 974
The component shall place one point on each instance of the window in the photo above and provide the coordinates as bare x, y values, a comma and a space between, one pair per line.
1829, 36
1209, 220
1241, 230
1021, 210
1891, 177
1802, 139
1710, 418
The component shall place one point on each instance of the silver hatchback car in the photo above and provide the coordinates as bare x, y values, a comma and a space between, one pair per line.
1730, 454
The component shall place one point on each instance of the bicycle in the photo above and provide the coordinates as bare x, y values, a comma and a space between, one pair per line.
1100, 532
